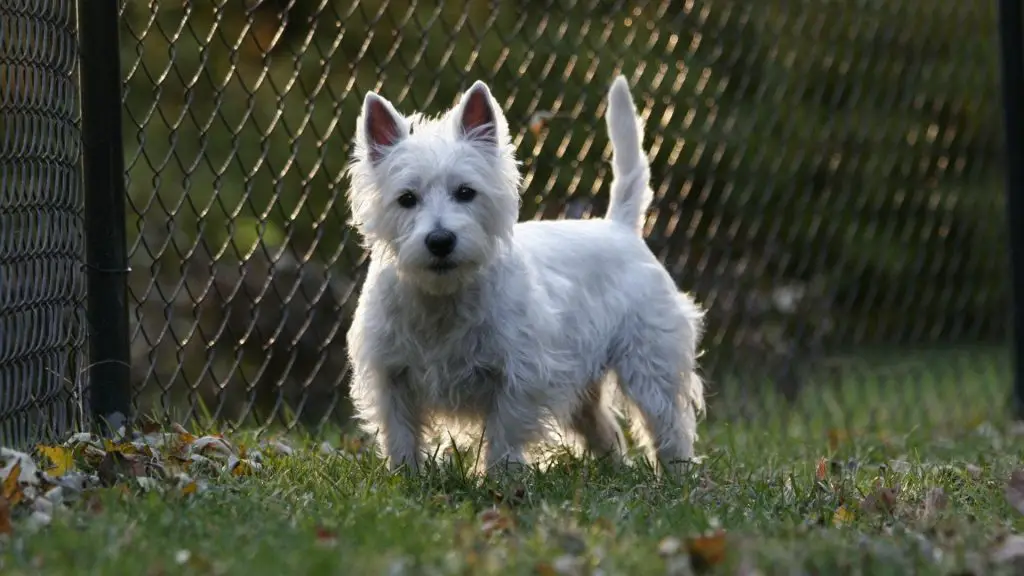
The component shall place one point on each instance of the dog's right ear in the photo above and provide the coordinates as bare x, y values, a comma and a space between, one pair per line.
382, 127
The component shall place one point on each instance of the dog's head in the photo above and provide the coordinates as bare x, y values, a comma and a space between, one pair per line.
440, 196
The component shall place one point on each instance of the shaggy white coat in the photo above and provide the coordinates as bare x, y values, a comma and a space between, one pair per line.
522, 326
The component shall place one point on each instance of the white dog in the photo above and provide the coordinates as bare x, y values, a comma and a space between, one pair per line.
468, 315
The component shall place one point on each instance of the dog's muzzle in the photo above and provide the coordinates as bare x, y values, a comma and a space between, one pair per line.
442, 266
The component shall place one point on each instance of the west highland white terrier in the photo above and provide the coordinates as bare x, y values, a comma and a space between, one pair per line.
467, 315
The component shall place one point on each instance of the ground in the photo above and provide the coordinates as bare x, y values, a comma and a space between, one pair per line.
877, 479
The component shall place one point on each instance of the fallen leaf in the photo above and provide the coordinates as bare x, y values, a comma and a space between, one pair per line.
326, 536
352, 444
281, 448
493, 521
1015, 491
28, 473
669, 546
571, 543
190, 488
148, 425
37, 520
107, 468
707, 551
211, 446
900, 466
148, 484
11, 486
63, 460
43, 505
883, 499
5, 517
182, 556
567, 565
517, 496
842, 516
1011, 548
544, 569
242, 466
934, 501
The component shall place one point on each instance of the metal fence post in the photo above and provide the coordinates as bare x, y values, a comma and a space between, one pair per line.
106, 243
1011, 23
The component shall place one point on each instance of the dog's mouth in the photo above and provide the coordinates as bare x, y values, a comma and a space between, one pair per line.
442, 266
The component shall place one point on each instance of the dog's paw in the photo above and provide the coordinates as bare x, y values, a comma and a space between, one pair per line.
407, 467
507, 468
678, 469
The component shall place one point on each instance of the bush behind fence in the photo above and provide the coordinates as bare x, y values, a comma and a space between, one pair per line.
828, 180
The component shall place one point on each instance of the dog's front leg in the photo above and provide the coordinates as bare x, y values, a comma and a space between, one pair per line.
513, 422
401, 424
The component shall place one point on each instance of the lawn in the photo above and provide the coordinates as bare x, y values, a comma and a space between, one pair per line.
901, 486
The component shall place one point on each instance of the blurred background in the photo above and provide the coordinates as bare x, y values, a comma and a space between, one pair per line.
828, 178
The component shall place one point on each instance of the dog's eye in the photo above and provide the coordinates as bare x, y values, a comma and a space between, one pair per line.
464, 194
407, 200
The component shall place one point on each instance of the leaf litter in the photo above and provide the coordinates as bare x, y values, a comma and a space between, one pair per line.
38, 485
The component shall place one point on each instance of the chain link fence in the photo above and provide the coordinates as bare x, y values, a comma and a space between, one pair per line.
42, 283
828, 178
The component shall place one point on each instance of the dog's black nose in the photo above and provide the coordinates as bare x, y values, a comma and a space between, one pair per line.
440, 242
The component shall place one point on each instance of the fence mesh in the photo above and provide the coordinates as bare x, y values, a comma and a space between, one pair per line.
828, 181
42, 289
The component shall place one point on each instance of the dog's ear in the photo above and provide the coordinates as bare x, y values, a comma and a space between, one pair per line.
478, 118
382, 126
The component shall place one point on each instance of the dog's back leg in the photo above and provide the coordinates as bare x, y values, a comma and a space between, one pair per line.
656, 366
594, 420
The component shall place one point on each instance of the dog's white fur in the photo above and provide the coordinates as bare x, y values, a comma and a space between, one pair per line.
529, 320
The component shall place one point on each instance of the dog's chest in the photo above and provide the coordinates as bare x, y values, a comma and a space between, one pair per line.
454, 365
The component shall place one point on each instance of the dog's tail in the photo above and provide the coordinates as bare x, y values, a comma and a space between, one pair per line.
631, 193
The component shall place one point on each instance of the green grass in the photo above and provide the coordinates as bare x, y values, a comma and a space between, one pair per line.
760, 481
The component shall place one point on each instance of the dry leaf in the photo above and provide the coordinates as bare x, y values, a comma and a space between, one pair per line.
326, 536
974, 471
881, 500
934, 501
182, 556
28, 473
106, 470
281, 448
821, 472
1011, 548
11, 486
242, 466
842, 516
148, 425
62, 459
544, 569
493, 521
211, 446
5, 517
1015, 491
567, 565
38, 519
707, 551
669, 546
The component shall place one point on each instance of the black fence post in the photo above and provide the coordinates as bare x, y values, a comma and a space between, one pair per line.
1011, 23
105, 226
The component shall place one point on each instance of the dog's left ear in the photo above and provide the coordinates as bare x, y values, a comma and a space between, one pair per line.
478, 118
